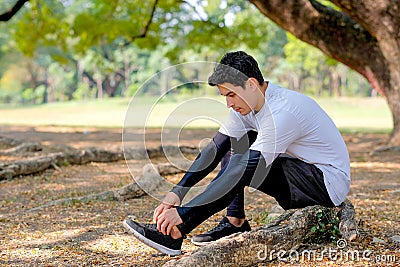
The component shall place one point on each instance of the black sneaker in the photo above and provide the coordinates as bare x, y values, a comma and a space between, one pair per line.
224, 228
149, 234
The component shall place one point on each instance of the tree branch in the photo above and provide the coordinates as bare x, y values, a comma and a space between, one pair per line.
333, 32
10, 13
87, 74
146, 28
143, 34
372, 14
382, 20
194, 10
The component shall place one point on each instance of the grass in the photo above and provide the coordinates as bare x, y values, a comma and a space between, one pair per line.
349, 114
101, 113
359, 114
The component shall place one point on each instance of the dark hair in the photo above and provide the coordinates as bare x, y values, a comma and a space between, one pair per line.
236, 68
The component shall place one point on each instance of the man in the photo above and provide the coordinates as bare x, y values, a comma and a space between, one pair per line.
282, 144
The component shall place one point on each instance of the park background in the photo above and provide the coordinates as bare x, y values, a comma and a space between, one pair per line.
70, 69
74, 69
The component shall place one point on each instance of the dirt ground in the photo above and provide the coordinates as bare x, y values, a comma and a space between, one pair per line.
91, 233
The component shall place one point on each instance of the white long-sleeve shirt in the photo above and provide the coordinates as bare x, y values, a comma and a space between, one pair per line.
294, 124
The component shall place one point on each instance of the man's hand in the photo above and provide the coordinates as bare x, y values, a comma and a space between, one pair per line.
170, 200
167, 220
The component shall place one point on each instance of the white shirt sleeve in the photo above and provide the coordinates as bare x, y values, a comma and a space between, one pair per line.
235, 126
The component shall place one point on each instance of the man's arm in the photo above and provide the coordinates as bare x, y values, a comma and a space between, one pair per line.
205, 162
246, 168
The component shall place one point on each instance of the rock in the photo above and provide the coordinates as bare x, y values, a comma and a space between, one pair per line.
378, 240
275, 211
395, 239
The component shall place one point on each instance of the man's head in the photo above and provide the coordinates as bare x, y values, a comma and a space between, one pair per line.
239, 79
236, 68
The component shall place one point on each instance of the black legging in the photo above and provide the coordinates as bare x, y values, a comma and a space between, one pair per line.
220, 149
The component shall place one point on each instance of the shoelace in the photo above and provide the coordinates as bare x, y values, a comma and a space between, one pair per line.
151, 226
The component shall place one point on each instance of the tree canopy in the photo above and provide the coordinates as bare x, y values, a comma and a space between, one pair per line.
89, 41
362, 34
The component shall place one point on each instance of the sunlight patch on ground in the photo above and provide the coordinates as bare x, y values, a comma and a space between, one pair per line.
52, 237
111, 244
381, 166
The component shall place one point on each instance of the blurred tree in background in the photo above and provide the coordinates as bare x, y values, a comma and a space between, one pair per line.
79, 49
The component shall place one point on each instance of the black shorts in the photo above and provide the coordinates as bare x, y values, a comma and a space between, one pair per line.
295, 184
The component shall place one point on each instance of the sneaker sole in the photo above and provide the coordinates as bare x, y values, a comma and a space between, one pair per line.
151, 243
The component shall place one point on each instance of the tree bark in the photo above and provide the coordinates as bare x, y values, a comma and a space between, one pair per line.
51, 157
347, 223
99, 84
22, 148
6, 142
263, 243
365, 37
111, 83
393, 99
41, 163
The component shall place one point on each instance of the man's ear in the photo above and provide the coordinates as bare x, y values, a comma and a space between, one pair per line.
252, 83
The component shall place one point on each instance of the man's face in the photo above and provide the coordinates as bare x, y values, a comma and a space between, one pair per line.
240, 99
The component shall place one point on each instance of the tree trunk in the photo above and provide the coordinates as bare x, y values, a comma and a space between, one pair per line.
80, 69
393, 99
266, 243
127, 73
111, 83
343, 70
334, 82
45, 98
364, 35
99, 84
